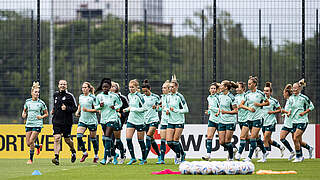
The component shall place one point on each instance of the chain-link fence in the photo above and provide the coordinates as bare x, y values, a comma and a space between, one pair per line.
199, 41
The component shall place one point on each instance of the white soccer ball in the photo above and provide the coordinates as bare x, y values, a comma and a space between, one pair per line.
185, 167
250, 166
195, 168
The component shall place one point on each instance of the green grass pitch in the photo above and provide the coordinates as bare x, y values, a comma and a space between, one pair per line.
18, 169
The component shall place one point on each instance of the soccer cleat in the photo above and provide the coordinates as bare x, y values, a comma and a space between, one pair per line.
256, 152
297, 160
177, 160
84, 156
206, 157
109, 160
115, 159
229, 159
121, 160
183, 157
103, 161
73, 157
143, 162
310, 152
264, 157
55, 161
39, 149
159, 159
95, 160
247, 159
237, 156
29, 161
292, 154
160, 162
140, 159
132, 161
282, 148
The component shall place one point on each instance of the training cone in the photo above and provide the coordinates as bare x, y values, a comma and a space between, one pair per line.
36, 172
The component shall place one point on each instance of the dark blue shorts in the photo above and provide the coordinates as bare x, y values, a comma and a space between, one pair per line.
154, 124
174, 126
301, 126
271, 128
225, 127
38, 129
212, 124
139, 128
163, 127
91, 127
287, 129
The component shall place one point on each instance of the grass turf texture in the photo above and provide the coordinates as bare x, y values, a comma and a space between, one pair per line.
18, 169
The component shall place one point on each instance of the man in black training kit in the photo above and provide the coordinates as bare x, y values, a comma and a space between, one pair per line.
64, 106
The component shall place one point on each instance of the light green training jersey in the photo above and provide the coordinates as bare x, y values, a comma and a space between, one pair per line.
287, 120
107, 113
213, 108
164, 116
298, 104
250, 99
180, 107
137, 109
88, 102
242, 113
34, 109
226, 101
270, 119
151, 115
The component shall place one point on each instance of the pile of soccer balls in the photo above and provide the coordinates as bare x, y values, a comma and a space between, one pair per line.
216, 167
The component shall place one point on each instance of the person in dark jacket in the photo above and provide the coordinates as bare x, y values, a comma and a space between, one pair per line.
64, 106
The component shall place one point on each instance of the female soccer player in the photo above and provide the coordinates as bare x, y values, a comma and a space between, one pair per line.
287, 125
151, 117
176, 108
270, 120
123, 118
299, 107
213, 109
255, 100
88, 119
135, 121
242, 117
164, 120
227, 110
35, 110
108, 103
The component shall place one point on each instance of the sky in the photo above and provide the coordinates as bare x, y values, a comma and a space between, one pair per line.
284, 15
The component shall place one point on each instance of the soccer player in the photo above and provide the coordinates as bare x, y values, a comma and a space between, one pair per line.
176, 108
270, 120
255, 100
242, 118
151, 117
299, 107
108, 103
115, 87
213, 109
35, 110
164, 120
227, 111
88, 119
287, 125
135, 121
64, 106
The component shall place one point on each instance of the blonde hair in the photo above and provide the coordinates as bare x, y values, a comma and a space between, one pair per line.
135, 82
116, 84
302, 83
90, 87
166, 83
288, 89
229, 84
174, 80
35, 85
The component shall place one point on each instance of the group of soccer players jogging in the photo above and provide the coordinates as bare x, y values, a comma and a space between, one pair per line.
251, 109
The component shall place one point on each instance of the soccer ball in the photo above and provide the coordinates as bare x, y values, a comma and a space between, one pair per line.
185, 167
250, 166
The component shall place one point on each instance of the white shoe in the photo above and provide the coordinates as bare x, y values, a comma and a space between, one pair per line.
121, 160
256, 152
292, 154
310, 152
264, 157
282, 148
237, 156
109, 160
230, 159
247, 159
177, 160
300, 159
206, 157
